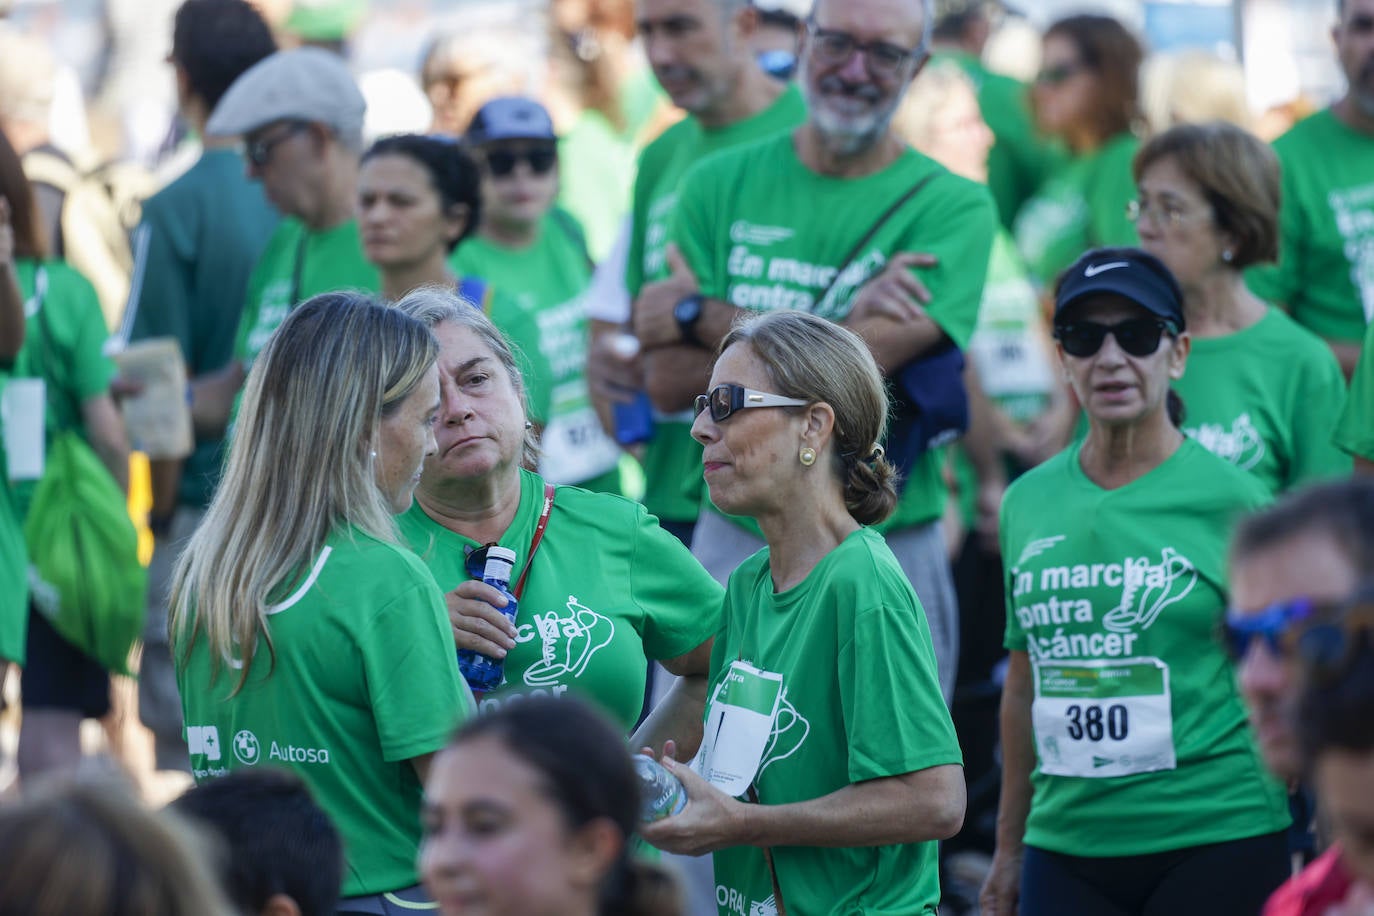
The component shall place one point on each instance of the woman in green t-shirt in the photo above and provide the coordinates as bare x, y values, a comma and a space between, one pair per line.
825, 709
304, 634
1086, 96
1131, 783
1262, 391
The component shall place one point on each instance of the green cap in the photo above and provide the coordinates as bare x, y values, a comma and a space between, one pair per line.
325, 20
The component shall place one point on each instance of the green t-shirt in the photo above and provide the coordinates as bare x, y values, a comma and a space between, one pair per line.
1325, 273
1020, 160
1355, 429
195, 249
1081, 206
542, 311
71, 363
859, 700
607, 590
1266, 399
297, 264
1141, 738
14, 564
597, 166
741, 228
672, 458
366, 678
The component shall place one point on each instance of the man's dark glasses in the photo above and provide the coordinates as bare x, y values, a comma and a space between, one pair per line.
259, 151
1276, 625
724, 400
540, 159
1136, 336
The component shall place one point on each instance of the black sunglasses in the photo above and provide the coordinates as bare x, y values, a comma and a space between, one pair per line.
540, 159
476, 561
259, 151
1137, 336
724, 400
1055, 76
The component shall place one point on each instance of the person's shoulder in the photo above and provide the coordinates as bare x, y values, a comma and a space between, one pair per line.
381, 565
1307, 138
686, 130
65, 281
1299, 347
1213, 483
1052, 472
594, 509
755, 157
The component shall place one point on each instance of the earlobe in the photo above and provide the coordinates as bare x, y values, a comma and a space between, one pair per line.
280, 905
593, 849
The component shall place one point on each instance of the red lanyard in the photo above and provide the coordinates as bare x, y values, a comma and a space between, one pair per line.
534, 541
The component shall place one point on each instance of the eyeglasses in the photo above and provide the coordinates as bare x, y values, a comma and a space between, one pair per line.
476, 561
1165, 211
724, 400
882, 58
1058, 75
1275, 625
259, 151
540, 159
1136, 336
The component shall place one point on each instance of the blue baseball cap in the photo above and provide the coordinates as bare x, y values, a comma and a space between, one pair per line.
510, 118
1130, 273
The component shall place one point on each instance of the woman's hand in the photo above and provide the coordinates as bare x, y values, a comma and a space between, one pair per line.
477, 623
1002, 889
712, 820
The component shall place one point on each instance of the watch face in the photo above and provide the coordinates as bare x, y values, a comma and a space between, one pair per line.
688, 310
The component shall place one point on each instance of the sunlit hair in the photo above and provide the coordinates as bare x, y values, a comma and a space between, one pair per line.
585, 770
817, 360
301, 467
925, 98
1238, 175
1342, 511
84, 845
1113, 54
436, 305
1194, 86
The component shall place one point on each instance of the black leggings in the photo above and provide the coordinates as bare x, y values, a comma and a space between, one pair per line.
1220, 879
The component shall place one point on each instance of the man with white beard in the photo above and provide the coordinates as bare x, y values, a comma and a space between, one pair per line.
834, 218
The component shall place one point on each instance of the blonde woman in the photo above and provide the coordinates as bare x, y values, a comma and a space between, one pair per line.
304, 635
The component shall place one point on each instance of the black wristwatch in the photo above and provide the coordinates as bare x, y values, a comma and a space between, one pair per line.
687, 313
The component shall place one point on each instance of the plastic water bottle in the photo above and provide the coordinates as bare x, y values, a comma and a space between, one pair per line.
660, 792
634, 420
481, 671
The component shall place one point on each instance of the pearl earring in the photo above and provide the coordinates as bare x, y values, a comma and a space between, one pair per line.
1227, 256
807, 456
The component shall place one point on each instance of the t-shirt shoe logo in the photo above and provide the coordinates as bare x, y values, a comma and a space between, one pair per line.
1148, 590
1241, 444
767, 907
790, 729
569, 640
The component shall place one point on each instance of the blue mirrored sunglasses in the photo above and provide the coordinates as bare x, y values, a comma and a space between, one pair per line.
1276, 625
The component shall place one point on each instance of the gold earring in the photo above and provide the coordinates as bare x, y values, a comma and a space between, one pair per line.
807, 456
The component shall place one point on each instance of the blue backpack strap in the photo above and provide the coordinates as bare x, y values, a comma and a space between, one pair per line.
477, 291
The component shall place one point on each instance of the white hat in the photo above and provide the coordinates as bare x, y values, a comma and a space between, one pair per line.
305, 84
799, 8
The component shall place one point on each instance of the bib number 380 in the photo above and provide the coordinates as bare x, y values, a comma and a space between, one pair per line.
1096, 722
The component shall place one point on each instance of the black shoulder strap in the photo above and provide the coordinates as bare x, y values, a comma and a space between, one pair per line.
872, 231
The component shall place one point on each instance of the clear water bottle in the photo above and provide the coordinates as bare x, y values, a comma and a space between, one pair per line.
660, 792
634, 420
480, 671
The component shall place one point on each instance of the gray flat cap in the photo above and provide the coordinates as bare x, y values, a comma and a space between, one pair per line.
305, 84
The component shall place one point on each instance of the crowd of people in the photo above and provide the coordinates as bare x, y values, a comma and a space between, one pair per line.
960, 488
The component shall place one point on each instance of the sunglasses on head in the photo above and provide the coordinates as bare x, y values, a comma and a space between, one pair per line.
540, 159
724, 400
1137, 336
1276, 625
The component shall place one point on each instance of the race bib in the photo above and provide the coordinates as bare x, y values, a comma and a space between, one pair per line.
1100, 718
739, 722
574, 447
1010, 362
22, 410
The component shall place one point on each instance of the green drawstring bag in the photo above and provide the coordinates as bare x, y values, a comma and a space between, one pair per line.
83, 555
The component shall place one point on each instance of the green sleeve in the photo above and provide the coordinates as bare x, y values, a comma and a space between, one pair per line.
968, 223
895, 718
1014, 638
411, 670
162, 295
695, 221
680, 601
1112, 189
91, 370
1278, 282
1316, 412
252, 303
1355, 429
634, 260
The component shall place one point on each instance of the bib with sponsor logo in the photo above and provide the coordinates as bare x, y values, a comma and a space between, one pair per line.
1115, 596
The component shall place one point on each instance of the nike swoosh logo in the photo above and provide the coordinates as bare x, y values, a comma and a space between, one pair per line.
1096, 269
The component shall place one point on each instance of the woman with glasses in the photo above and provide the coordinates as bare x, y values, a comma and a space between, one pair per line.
537, 255
600, 587
305, 635
1085, 96
1262, 391
829, 767
1131, 782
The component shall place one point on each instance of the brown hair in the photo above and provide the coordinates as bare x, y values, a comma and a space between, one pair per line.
1239, 176
15, 188
819, 361
1112, 53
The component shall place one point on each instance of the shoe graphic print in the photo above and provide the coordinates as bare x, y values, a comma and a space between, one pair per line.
568, 640
790, 729
767, 907
1149, 590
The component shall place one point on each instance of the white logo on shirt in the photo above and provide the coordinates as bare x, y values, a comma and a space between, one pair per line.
745, 233
569, 640
1241, 444
790, 729
1093, 270
246, 747
203, 740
